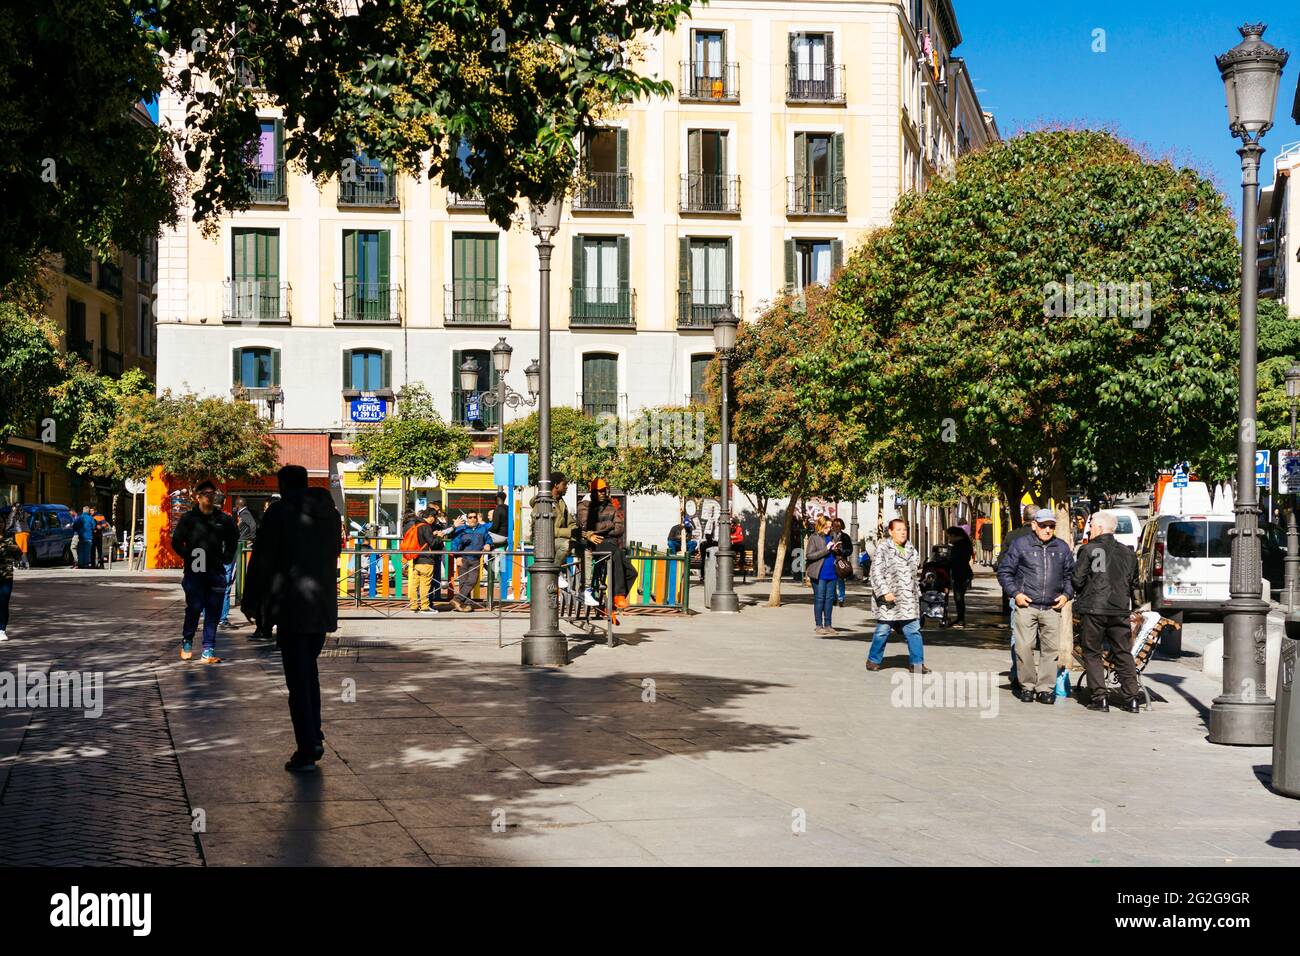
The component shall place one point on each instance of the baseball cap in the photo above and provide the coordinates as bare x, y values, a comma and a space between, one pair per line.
1043, 515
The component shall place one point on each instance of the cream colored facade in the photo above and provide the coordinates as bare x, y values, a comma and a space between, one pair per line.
865, 93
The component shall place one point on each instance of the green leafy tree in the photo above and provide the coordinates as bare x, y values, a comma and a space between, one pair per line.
85, 405
957, 312
576, 447
667, 450
29, 368
413, 442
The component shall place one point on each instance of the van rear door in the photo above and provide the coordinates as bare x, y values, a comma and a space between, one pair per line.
1218, 565
1186, 560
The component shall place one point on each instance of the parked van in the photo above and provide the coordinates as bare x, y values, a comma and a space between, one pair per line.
51, 532
1128, 527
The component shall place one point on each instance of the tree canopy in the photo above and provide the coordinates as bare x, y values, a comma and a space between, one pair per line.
576, 447
29, 368
413, 442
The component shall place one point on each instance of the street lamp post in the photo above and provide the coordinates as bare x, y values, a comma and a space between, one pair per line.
505, 396
543, 643
1243, 713
1292, 535
724, 597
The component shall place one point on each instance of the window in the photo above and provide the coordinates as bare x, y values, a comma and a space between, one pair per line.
256, 367
813, 74
254, 293
601, 288
365, 293
811, 260
365, 182
706, 187
367, 370
605, 179
600, 384
699, 374
76, 338
474, 296
704, 280
709, 76
464, 409
146, 329
266, 178
818, 181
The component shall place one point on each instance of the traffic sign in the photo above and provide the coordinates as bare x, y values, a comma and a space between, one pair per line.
717, 461
1180, 478
1263, 468
1288, 472
135, 486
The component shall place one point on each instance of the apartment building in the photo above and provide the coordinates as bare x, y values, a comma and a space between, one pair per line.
792, 132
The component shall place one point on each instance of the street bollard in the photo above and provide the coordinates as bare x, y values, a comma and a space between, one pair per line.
1286, 724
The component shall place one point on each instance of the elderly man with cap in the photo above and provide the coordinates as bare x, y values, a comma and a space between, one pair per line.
1035, 574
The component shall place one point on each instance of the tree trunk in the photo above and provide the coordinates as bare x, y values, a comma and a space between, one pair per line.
774, 596
1059, 491
1012, 490
880, 511
760, 547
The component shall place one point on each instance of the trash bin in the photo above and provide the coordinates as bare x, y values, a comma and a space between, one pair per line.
1286, 724
710, 575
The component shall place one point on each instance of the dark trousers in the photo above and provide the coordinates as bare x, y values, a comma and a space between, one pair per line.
1094, 631
204, 592
6, 591
298, 652
959, 588
84, 549
607, 555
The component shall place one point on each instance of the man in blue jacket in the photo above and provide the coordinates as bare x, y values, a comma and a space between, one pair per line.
1035, 574
469, 536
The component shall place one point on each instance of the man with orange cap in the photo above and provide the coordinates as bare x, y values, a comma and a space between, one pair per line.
600, 527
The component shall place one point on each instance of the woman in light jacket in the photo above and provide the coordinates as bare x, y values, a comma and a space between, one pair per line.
820, 551
896, 597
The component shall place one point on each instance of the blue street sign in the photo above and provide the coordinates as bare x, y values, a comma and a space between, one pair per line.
1180, 479
471, 407
1263, 468
368, 409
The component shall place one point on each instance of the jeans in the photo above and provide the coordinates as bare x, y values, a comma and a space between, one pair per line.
230, 586
203, 595
911, 632
823, 600
6, 591
841, 585
298, 653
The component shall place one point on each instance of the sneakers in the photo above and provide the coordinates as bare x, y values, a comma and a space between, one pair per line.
564, 582
589, 598
209, 657
187, 649
224, 622
300, 764
620, 601
3, 636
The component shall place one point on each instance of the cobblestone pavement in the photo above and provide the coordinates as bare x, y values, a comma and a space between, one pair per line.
707, 740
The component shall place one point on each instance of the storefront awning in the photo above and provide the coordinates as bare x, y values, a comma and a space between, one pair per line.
310, 451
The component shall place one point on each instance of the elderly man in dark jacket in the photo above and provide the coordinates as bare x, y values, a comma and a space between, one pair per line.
1035, 573
1105, 577
291, 585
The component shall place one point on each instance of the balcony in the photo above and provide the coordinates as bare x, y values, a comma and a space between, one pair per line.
470, 200
267, 186
255, 301
367, 303
606, 307
268, 402
476, 302
78, 266
697, 309
82, 348
816, 196
710, 192
487, 414
603, 192
710, 82
110, 279
806, 83
110, 363
598, 401
368, 186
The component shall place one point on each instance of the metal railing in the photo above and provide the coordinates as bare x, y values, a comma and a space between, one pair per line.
816, 195
110, 362
78, 265
605, 306
476, 302
598, 401
710, 80
604, 191
807, 83
697, 310
470, 200
255, 300
370, 303
84, 348
709, 192
267, 185
267, 402
371, 186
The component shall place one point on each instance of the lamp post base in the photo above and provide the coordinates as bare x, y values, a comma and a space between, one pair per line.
1243, 713
544, 650
544, 644
724, 602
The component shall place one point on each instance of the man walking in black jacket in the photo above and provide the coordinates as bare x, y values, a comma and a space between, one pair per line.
292, 585
205, 541
1105, 577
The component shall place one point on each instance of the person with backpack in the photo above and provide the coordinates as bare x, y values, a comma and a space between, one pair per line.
419, 544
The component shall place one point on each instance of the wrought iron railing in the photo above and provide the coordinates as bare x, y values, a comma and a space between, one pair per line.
369, 302
368, 186
476, 302
604, 306
110, 279
709, 192
817, 195
810, 83
267, 185
255, 300
710, 80
470, 200
604, 190
110, 362
698, 309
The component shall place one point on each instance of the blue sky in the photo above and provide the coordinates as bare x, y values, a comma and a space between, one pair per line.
1156, 84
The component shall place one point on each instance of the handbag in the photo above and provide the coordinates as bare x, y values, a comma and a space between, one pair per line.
843, 567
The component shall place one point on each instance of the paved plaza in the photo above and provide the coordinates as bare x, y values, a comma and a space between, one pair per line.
698, 740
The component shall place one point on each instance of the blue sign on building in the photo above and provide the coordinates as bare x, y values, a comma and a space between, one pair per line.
471, 407
368, 409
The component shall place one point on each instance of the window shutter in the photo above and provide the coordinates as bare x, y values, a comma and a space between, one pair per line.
386, 379
279, 143
239, 254
837, 170
683, 278
620, 152
385, 306
457, 397
624, 263
728, 276
269, 268
837, 254
275, 366
347, 368
237, 367
830, 60
349, 257
800, 159
695, 152
789, 266
579, 278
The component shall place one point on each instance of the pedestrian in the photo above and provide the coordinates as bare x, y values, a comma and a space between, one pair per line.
469, 538
986, 543
1035, 573
205, 538
1105, 578
292, 586
22, 533
424, 563
844, 550
499, 528
820, 551
97, 538
83, 527
9, 550
894, 571
247, 528
683, 530
961, 569
561, 523
601, 526
1025, 528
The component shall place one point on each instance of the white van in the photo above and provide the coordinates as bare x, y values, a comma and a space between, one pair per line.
1128, 527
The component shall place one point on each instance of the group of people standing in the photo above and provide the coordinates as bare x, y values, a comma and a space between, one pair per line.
435, 535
